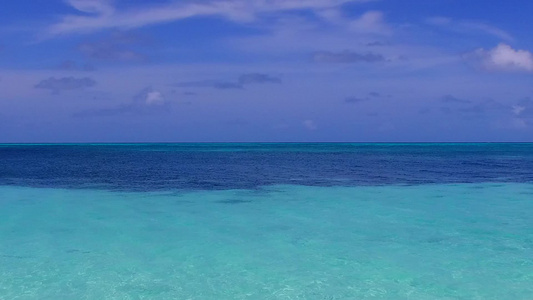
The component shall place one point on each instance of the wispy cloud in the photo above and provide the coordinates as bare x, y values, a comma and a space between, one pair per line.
372, 22
259, 78
503, 58
242, 81
353, 100
523, 108
377, 44
485, 106
227, 85
521, 115
116, 47
207, 83
310, 125
347, 56
452, 99
147, 101
518, 109
469, 27
96, 15
370, 96
57, 85
70, 65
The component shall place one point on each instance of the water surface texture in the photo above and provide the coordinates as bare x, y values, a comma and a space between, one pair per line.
266, 221
144, 167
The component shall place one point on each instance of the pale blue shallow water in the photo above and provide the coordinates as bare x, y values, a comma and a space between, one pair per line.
433, 241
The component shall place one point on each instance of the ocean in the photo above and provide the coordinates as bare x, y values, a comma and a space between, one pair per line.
266, 221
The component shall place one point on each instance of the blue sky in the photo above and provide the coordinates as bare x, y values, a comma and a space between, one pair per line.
265, 70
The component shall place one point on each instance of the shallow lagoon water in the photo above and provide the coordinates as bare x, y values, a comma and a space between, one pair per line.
432, 241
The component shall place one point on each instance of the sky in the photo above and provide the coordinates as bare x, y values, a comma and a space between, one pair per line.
266, 71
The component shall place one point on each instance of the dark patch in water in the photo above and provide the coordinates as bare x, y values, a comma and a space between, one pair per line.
77, 251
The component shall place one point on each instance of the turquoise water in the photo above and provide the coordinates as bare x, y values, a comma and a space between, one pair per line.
432, 241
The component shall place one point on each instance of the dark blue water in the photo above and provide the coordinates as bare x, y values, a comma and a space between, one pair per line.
147, 167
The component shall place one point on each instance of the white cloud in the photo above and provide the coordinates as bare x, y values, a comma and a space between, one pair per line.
497, 32
154, 98
105, 16
372, 22
297, 4
469, 27
518, 109
92, 6
504, 58
147, 101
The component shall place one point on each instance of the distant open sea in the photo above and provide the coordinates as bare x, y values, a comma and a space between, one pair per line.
266, 221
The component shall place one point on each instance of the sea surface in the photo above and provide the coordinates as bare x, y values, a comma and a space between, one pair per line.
266, 221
